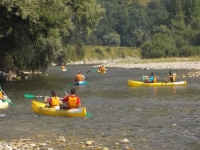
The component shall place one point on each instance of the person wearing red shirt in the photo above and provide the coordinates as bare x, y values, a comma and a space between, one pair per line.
72, 101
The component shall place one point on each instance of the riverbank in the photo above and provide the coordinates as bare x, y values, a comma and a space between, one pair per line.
162, 63
171, 63
60, 143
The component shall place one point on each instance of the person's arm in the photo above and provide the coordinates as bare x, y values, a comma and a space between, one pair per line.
65, 99
78, 102
83, 76
47, 99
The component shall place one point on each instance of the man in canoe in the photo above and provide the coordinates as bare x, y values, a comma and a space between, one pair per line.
152, 79
72, 101
79, 77
53, 101
172, 77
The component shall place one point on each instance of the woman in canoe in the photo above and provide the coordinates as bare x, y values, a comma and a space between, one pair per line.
53, 101
72, 101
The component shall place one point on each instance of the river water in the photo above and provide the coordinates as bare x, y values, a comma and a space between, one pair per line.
149, 117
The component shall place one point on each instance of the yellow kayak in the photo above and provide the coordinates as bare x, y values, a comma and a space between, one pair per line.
99, 71
39, 108
133, 83
4, 105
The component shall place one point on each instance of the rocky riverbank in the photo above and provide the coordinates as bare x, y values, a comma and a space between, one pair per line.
60, 143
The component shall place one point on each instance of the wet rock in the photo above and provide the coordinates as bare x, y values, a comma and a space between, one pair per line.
2, 115
89, 143
83, 146
124, 141
62, 139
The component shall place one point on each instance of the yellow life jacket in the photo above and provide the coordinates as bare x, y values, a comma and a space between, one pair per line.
79, 77
72, 103
154, 81
55, 102
174, 78
1, 94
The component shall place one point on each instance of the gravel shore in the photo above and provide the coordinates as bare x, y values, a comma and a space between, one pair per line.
159, 65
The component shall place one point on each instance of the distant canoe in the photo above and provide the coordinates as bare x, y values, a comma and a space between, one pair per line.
133, 83
40, 108
99, 71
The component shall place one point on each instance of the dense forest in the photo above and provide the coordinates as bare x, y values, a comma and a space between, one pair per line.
35, 33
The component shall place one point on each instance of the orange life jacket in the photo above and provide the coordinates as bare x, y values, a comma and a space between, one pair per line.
1, 94
72, 103
79, 77
55, 102
62, 67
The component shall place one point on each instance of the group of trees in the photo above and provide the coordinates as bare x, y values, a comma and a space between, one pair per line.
162, 28
34, 33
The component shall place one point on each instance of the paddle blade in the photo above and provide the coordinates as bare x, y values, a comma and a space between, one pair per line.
89, 114
29, 96
95, 71
70, 84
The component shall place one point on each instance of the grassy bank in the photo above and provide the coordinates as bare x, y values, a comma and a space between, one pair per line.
90, 53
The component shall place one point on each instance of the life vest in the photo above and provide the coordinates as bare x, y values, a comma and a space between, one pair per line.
62, 67
1, 94
79, 77
54, 101
72, 103
154, 81
174, 77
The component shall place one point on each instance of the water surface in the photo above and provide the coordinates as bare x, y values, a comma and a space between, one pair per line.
149, 117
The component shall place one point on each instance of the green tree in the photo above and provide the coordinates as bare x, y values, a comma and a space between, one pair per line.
34, 33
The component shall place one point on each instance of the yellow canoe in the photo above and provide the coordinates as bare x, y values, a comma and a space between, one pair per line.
99, 71
39, 108
133, 83
4, 105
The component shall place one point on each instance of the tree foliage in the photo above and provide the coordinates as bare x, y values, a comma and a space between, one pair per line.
34, 33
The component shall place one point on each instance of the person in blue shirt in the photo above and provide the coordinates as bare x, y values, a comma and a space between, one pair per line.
151, 79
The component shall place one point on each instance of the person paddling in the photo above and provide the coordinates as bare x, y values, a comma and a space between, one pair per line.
71, 101
53, 101
79, 77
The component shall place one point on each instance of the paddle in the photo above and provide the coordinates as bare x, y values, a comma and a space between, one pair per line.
31, 96
87, 72
8, 100
62, 90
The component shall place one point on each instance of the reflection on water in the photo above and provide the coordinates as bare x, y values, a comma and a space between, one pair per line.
150, 117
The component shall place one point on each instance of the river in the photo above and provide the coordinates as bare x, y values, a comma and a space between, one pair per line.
151, 118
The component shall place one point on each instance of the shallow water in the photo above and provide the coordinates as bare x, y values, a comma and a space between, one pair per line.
149, 117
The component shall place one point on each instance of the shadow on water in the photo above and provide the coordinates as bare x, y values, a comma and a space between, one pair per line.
150, 117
